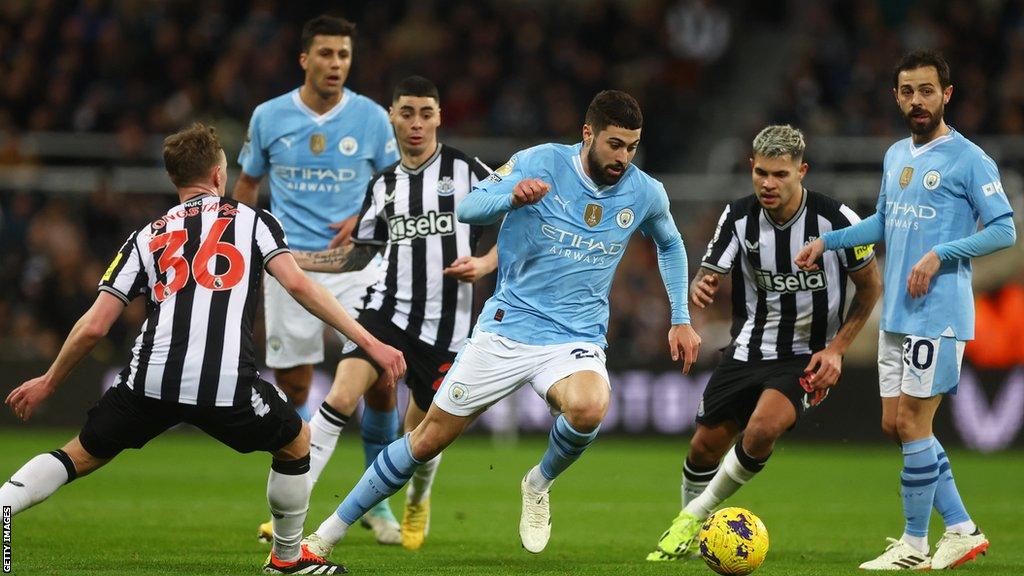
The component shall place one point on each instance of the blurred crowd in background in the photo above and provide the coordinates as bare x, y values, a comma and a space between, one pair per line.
515, 69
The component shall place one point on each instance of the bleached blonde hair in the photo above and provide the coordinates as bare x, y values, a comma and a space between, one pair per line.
780, 140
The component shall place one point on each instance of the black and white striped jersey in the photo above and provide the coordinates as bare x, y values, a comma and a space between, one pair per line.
199, 266
412, 214
778, 310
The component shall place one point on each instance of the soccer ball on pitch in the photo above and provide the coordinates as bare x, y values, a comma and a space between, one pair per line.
733, 541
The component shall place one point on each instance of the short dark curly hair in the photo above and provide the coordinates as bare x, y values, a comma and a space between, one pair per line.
325, 25
920, 59
614, 108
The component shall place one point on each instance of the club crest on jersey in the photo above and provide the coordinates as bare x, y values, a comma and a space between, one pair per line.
905, 176
592, 214
506, 168
348, 146
445, 186
932, 179
624, 218
317, 142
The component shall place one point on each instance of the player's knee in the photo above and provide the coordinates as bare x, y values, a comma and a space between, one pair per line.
297, 448
83, 461
760, 435
704, 454
889, 428
342, 399
587, 415
909, 428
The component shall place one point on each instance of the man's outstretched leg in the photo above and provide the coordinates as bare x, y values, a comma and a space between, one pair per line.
391, 470
774, 414
46, 473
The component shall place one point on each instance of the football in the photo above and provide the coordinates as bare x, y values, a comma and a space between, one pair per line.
733, 541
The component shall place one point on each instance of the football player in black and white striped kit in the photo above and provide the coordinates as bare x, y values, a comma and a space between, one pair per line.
422, 303
199, 267
790, 328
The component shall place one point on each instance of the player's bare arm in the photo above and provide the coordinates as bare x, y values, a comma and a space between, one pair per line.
703, 287
344, 230
347, 258
808, 256
472, 268
87, 332
322, 304
826, 365
247, 189
921, 274
529, 191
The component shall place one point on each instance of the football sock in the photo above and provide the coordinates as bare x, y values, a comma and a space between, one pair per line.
36, 480
918, 481
947, 497
378, 430
324, 428
565, 446
288, 495
385, 476
695, 480
737, 469
422, 480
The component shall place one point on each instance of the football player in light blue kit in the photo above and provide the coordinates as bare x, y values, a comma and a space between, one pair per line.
937, 187
320, 145
569, 212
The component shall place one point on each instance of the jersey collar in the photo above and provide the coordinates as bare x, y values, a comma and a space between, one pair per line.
426, 163
796, 216
916, 151
320, 119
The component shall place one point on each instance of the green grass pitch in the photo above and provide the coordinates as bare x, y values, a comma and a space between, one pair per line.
187, 505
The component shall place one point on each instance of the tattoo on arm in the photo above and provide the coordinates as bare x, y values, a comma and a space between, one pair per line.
349, 258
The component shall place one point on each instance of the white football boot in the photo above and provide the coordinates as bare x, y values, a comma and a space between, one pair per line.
899, 555
535, 521
953, 549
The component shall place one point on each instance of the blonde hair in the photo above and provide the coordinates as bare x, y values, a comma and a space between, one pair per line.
780, 140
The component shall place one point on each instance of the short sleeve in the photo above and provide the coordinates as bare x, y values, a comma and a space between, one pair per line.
254, 158
125, 277
270, 238
857, 257
985, 189
724, 244
372, 227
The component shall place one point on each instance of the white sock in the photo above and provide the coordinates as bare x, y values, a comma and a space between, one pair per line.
288, 496
324, 428
920, 543
333, 529
421, 481
694, 483
730, 477
537, 481
965, 527
34, 482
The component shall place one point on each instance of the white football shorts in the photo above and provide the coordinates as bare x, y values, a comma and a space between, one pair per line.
918, 366
294, 336
490, 367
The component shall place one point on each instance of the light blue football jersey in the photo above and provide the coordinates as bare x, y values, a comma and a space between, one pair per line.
319, 165
556, 258
931, 194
